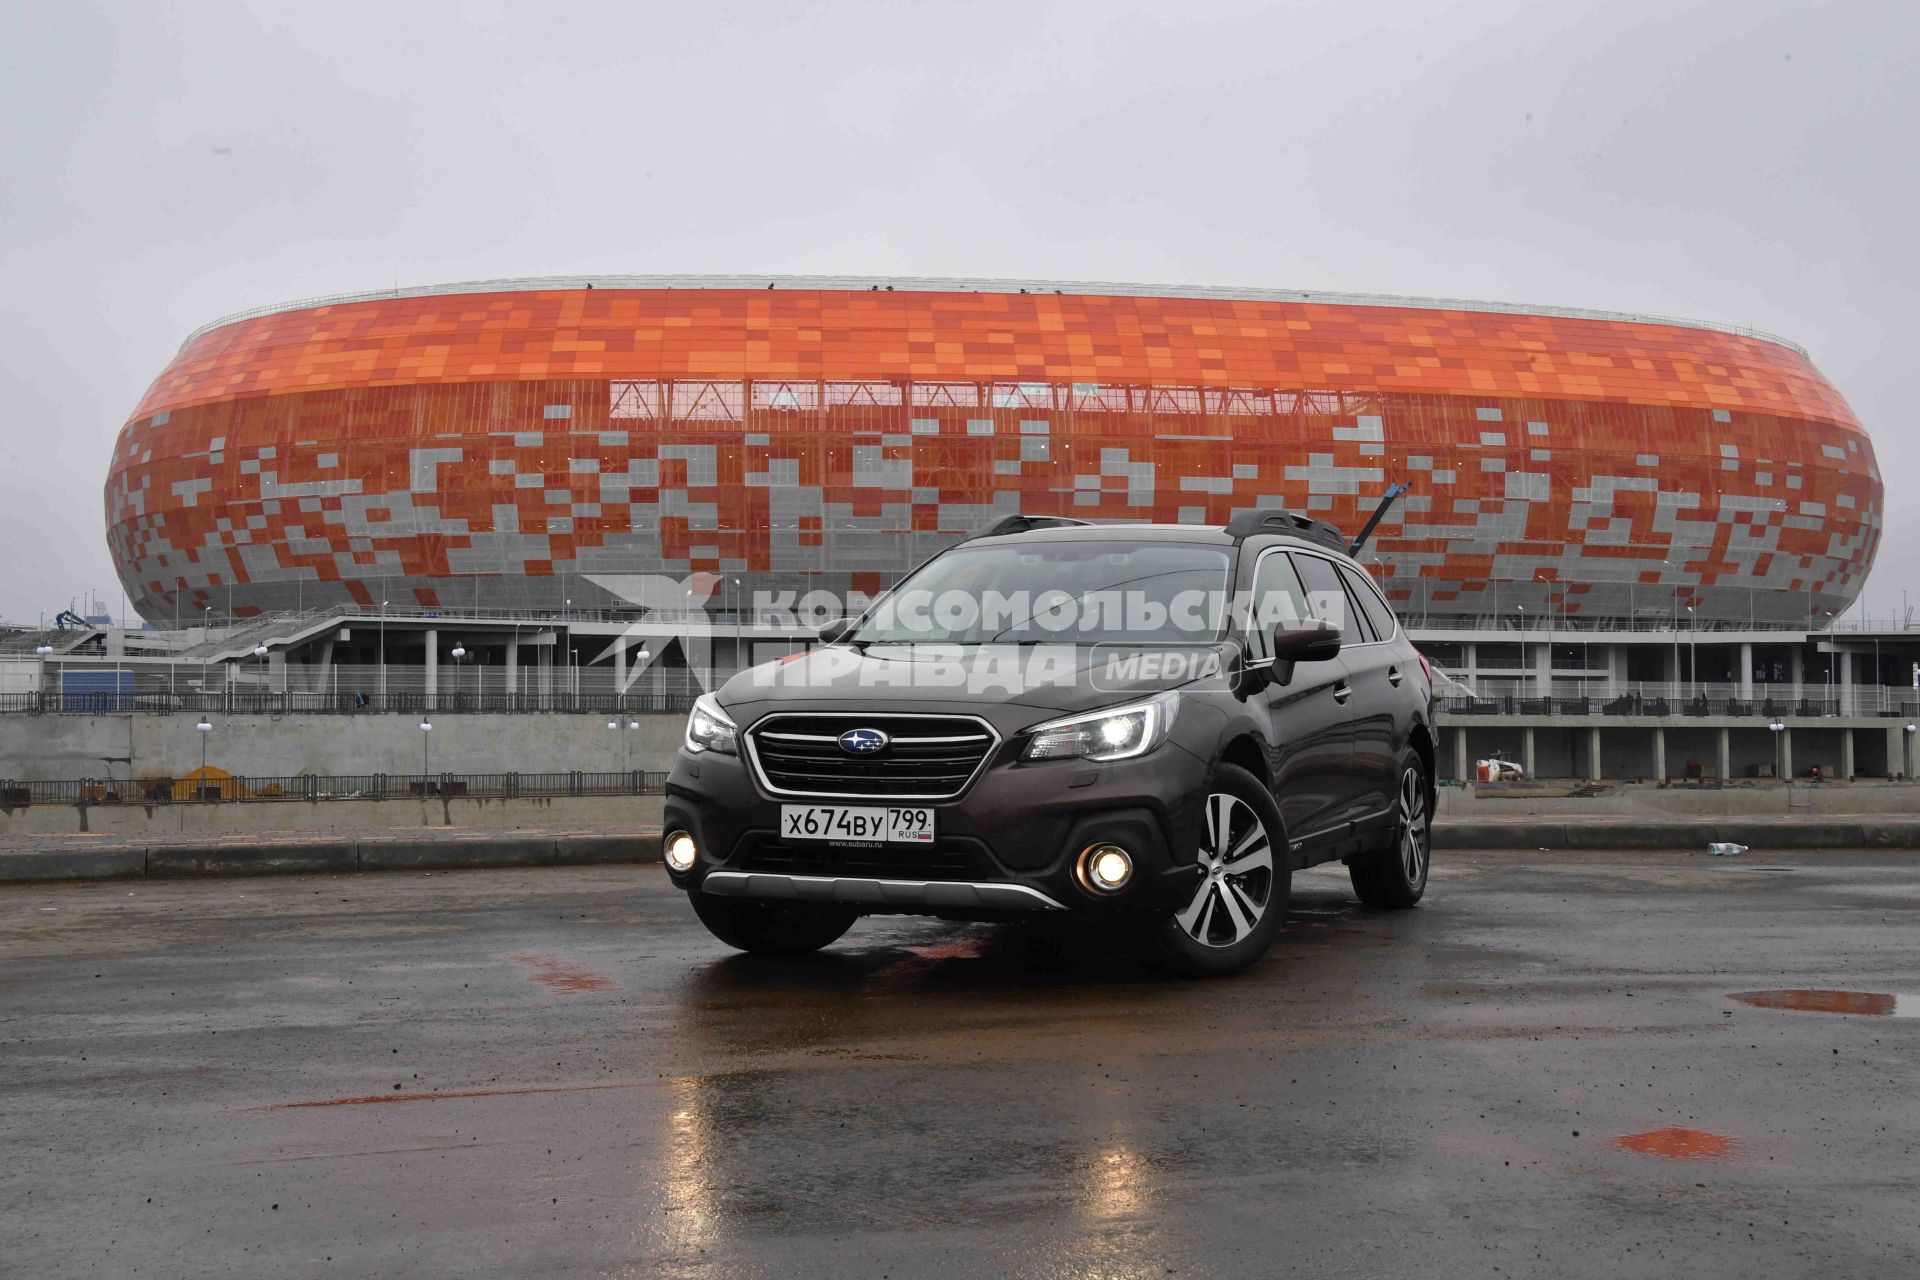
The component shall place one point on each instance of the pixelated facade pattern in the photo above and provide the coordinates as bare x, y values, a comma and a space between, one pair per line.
498, 449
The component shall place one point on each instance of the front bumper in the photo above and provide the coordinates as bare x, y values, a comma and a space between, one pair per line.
1005, 848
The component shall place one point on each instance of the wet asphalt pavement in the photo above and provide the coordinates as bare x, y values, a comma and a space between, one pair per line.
557, 1072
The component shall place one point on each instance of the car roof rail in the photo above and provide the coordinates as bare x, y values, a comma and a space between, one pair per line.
1024, 524
1292, 523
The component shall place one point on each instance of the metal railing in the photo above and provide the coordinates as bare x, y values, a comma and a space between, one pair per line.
1891, 703
255, 702
221, 788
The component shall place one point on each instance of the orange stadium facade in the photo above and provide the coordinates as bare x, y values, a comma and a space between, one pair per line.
515, 445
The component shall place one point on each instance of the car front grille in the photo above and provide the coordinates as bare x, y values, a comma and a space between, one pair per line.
927, 757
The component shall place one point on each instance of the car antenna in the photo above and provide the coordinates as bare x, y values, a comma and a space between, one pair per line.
1386, 500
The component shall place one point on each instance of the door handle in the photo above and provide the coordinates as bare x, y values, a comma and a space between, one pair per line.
1394, 677
1341, 692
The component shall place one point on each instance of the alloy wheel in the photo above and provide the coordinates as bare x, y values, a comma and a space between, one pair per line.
1237, 859
1415, 832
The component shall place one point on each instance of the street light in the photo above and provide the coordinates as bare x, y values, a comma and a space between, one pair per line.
426, 745
383, 655
1779, 765
614, 725
1906, 764
1693, 652
260, 652
205, 727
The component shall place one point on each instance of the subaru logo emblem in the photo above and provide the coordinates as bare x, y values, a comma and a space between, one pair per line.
863, 742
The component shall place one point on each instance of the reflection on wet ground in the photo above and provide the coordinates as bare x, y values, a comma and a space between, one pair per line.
562, 978
558, 1072
1865, 1003
1680, 1144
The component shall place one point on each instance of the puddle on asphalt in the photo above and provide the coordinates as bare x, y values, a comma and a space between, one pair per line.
1863, 1003
443, 1095
561, 978
1680, 1144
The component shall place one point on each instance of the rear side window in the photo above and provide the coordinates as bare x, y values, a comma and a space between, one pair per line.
1278, 598
1368, 598
1327, 597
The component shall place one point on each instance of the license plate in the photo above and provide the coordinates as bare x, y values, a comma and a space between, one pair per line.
856, 824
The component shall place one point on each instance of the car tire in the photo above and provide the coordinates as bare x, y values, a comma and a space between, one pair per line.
1245, 882
1396, 877
772, 928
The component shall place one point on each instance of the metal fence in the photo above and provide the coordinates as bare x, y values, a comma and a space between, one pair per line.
204, 789
1634, 704
261, 702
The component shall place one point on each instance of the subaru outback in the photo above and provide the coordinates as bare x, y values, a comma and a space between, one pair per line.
1149, 725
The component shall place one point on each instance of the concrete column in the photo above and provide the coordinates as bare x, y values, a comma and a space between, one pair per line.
1897, 751
1526, 751
1593, 753
543, 659
1726, 752
1470, 655
1660, 753
1846, 684
619, 669
1462, 766
1543, 670
1846, 752
1746, 669
324, 669
1797, 670
1785, 763
433, 670
1616, 669
513, 665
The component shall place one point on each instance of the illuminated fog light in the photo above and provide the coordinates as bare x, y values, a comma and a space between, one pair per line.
1105, 868
681, 851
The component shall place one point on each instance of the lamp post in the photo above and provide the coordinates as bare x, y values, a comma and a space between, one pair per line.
459, 655
1693, 652
205, 727
614, 727
1906, 761
383, 655
260, 652
426, 753
1779, 766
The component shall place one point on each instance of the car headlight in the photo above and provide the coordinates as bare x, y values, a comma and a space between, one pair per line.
709, 729
1119, 733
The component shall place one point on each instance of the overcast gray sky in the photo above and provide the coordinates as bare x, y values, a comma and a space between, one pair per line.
1750, 162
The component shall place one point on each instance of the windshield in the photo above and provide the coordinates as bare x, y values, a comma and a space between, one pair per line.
1058, 593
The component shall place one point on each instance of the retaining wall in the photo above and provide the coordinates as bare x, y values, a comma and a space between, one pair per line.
55, 747
320, 817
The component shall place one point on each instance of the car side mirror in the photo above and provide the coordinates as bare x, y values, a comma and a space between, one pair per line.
836, 631
1302, 642
1308, 642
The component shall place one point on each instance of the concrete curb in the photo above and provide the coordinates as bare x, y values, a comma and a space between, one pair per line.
328, 855
1693, 835
332, 854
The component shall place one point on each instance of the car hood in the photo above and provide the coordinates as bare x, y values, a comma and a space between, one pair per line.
1055, 678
